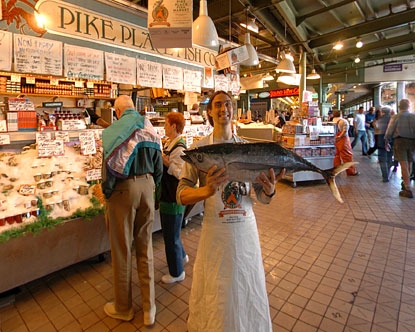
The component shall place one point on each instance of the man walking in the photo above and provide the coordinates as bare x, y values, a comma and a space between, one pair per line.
132, 167
402, 129
360, 131
370, 129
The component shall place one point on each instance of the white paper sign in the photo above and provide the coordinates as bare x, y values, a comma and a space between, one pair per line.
208, 78
189, 140
87, 140
37, 55
98, 134
3, 125
192, 80
15, 78
149, 74
6, 50
63, 135
43, 136
221, 83
49, 148
82, 62
4, 139
93, 174
27, 189
30, 80
172, 77
73, 124
120, 69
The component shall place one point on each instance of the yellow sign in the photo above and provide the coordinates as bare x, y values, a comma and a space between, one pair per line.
65, 19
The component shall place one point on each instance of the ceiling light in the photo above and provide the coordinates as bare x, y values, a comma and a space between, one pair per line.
286, 65
268, 77
251, 25
289, 56
204, 31
289, 79
252, 55
357, 60
313, 75
338, 46
359, 44
40, 20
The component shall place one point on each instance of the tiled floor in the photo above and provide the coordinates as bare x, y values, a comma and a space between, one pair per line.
329, 267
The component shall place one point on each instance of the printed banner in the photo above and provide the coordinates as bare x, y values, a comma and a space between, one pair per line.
172, 77
37, 55
149, 74
120, 68
6, 50
192, 80
82, 62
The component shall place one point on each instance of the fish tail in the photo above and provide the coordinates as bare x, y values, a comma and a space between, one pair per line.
330, 174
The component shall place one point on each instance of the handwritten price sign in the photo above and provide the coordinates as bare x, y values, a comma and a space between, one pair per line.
50, 148
43, 136
27, 189
4, 139
87, 140
63, 135
93, 174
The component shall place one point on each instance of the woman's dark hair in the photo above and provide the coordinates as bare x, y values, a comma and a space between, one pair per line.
177, 119
209, 104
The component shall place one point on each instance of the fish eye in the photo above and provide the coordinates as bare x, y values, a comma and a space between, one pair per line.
199, 157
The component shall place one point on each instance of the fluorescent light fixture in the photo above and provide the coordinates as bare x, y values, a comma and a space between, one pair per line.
252, 55
338, 46
204, 31
289, 79
357, 60
251, 25
286, 65
359, 43
313, 75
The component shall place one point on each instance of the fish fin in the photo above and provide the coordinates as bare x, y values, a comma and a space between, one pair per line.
330, 174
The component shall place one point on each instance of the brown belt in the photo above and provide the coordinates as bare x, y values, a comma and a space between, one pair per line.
138, 176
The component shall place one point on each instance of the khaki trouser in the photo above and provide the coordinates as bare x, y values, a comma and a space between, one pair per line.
129, 215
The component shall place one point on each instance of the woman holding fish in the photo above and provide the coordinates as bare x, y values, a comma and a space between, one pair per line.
228, 291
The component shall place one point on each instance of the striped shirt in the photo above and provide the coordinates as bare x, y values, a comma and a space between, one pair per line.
401, 125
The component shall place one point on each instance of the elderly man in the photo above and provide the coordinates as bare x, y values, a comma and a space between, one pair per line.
132, 167
402, 129
360, 131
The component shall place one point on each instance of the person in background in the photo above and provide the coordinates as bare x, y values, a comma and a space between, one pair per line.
228, 291
370, 130
360, 131
344, 150
402, 129
384, 156
132, 167
350, 119
378, 114
171, 213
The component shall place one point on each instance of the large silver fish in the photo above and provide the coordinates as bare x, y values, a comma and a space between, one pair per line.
244, 161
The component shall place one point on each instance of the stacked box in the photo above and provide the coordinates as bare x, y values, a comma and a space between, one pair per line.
12, 124
26, 121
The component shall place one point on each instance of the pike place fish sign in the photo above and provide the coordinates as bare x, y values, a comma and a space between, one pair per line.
65, 19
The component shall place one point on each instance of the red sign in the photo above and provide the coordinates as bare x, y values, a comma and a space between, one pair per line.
284, 93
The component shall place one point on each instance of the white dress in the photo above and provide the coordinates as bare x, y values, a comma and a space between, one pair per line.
228, 291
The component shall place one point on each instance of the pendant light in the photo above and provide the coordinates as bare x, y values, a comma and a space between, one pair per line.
204, 31
252, 55
285, 65
313, 75
251, 25
289, 79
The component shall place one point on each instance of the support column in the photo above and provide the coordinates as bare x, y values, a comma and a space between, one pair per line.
400, 93
376, 96
338, 99
303, 73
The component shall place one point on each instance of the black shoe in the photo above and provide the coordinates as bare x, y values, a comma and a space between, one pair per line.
385, 180
355, 174
406, 193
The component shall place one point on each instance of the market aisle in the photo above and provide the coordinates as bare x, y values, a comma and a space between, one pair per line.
329, 267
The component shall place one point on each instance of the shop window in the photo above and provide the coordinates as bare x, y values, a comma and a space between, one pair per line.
388, 95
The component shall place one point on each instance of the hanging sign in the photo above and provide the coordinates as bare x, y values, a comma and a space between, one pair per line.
4, 139
37, 55
231, 57
284, 93
221, 83
208, 81
6, 50
120, 69
82, 62
192, 80
93, 174
170, 23
172, 77
27, 189
149, 74
48, 148
87, 140
235, 85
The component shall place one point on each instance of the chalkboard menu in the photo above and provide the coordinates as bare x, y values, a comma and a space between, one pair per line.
37, 55
82, 62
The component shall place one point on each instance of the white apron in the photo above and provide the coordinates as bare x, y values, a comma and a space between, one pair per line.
228, 291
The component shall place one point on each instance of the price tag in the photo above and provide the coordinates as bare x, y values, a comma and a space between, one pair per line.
30, 80
15, 78
79, 84
3, 125
90, 85
73, 124
189, 140
43, 136
63, 135
4, 139
27, 189
54, 81
93, 174
50, 148
98, 134
87, 140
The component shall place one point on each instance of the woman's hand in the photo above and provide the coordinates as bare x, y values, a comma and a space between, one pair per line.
268, 182
215, 178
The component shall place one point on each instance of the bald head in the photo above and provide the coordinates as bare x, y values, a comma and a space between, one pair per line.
404, 104
123, 103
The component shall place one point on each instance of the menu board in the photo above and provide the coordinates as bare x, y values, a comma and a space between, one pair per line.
82, 62
192, 80
37, 55
120, 68
172, 77
48, 148
221, 83
149, 74
4, 139
6, 50
87, 140
94, 174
